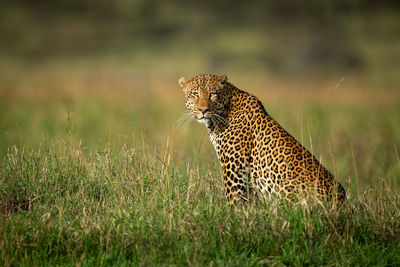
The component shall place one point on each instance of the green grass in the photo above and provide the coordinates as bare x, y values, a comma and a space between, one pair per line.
124, 206
94, 170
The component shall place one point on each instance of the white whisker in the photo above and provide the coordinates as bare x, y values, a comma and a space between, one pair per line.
185, 119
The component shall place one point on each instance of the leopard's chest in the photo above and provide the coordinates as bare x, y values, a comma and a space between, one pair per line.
214, 142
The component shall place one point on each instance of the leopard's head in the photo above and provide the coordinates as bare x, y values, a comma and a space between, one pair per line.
207, 96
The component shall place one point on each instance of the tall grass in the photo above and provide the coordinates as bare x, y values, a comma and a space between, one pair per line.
127, 205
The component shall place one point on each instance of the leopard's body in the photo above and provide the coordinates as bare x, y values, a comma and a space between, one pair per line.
257, 155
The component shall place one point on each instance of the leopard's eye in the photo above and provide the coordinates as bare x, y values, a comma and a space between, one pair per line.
195, 94
213, 95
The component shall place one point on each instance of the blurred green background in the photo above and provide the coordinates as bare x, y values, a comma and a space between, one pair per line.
100, 73
290, 38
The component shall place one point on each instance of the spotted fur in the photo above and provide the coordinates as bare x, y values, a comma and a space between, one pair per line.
257, 155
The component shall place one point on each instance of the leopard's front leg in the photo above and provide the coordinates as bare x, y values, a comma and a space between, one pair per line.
236, 177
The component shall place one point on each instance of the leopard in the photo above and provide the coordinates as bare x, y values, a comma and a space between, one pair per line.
259, 158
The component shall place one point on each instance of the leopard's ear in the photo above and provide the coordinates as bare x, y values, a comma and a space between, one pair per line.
183, 82
223, 78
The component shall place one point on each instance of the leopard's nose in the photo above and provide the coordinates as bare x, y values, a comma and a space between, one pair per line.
203, 109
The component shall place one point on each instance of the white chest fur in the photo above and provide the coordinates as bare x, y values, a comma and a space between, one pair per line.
213, 140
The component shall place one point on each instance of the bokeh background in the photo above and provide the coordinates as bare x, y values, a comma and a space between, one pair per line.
104, 73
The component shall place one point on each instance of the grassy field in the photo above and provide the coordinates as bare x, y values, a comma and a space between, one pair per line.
95, 170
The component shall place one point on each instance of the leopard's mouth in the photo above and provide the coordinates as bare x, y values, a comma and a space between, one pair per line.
202, 118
